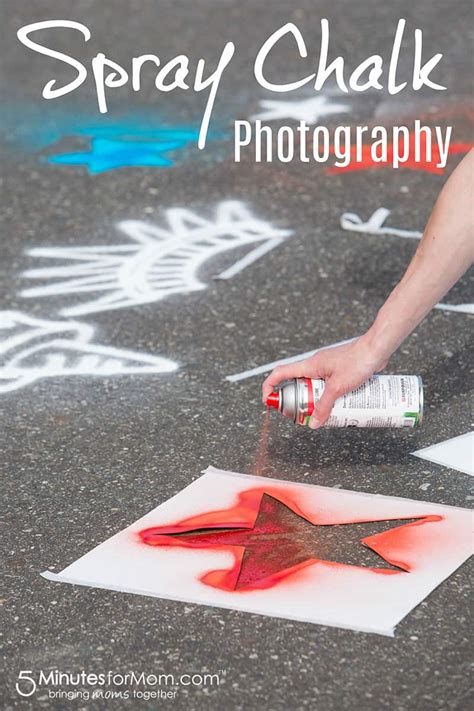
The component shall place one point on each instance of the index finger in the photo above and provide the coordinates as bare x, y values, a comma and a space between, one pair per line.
283, 372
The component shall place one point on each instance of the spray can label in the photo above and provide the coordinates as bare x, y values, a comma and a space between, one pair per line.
383, 401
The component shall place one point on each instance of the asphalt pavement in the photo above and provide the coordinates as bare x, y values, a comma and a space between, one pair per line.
85, 456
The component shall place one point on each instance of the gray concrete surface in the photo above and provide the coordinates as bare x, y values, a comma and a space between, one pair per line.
84, 457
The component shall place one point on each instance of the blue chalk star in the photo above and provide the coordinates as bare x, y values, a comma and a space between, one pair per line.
108, 154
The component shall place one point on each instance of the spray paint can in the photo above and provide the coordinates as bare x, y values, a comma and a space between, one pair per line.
383, 401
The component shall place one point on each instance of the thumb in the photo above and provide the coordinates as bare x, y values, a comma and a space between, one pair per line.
323, 407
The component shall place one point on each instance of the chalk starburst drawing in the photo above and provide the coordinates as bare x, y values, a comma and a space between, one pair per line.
310, 110
160, 261
33, 348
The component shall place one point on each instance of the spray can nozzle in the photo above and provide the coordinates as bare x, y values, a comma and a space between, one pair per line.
273, 400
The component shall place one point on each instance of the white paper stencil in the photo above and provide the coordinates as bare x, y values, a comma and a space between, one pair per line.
255, 559
456, 453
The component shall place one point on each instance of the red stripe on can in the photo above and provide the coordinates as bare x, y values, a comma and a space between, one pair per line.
309, 385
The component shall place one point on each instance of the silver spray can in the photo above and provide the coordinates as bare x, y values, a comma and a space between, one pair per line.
383, 401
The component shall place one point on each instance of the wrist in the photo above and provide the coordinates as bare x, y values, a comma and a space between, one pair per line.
379, 344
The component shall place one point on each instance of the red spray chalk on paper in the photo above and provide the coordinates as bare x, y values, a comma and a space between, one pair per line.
262, 531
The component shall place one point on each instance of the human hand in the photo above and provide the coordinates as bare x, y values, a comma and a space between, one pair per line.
343, 368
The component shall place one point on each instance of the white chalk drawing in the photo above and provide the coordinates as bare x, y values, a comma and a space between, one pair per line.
161, 261
456, 453
308, 110
32, 348
375, 226
267, 367
460, 308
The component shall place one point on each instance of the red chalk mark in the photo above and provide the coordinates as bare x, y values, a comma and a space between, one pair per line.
268, 547
367, 161
230, 580
389, 543
242, 515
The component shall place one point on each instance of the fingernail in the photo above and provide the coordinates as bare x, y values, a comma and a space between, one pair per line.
314, 423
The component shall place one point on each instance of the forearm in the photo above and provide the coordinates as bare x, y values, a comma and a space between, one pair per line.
445, 252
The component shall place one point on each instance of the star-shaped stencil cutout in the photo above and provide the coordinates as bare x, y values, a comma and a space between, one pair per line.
279, 543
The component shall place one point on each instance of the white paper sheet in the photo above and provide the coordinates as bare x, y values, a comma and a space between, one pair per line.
456, 453
329, 593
